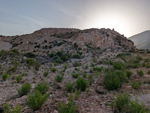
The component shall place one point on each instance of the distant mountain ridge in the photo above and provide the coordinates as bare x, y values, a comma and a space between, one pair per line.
141, 40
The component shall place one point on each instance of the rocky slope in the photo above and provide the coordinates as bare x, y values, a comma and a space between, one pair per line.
141, 40
45, 40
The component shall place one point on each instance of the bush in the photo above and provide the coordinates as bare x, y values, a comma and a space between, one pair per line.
77, 55
19, 78
99, 69
41, 87
128, 73
140, 73
59, 78
75, 75
84, 75
136, 84
123, 104
60, 43
24, 89
45, 73
13, 69
32, 62
58, 60
70, 87
81, 84
139, 58
120, 75
5, 76
16, 109
36, 100
30, 55
111, 81
75, 64
53, 69
118, 65
148, 72
90, 79
67, 108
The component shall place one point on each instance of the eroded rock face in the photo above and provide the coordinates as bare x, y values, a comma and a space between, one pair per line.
46, 40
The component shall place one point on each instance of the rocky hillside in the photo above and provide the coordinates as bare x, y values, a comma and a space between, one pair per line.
142, 40
47, 40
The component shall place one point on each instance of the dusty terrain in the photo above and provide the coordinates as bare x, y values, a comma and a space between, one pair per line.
102, 52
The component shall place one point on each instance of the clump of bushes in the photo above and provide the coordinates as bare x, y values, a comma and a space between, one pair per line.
140, 73
70, 87
5, 76
81, 84
99, 69
136, 84
119, 65
45, 73
123, 104
59, 78
32, 62
59, 57
30, 55
67, 108
128, 73
113, 80
75, 75
19, 78
36, 100
24, 89
76, 64
76, 55
53, 69
16, 109
41, 87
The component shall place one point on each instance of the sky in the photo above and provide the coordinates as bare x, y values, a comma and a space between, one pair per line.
128, 17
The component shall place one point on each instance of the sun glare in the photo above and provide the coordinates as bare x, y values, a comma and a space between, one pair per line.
111, 23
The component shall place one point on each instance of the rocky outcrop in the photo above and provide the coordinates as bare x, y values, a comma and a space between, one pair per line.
46, 40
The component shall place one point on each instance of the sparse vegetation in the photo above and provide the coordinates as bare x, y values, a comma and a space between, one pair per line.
128, 73
59, 78
70, 87
77, 55
19, 78
81, 84
41, 87
30, 55
24, 89
99, 69
136, 84
5, 76
76, 64
45, 73
36, 100
53, 69
140, 73
75, 75
118, 65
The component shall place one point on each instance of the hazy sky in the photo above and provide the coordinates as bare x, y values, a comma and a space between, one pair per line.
128, 17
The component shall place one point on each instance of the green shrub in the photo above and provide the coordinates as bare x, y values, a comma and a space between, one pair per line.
139, 58
13, 69
30, 55
24, 89
53, 69
120, 75
77, 93
16, 109
36, 66
59, 78
90, 79
123, 104
60, 43
58, 60
147, 65
135, 66
32, 62
136, 84
75, 64
70, 87
146, 60
77, 55
128, 73
81, 84
84, 75
36, 100
45, 73
75, 75
140, 73
19, 78
148, 72
99, 69
41, 87
111, 81
5, 76
67, 108
118, 65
